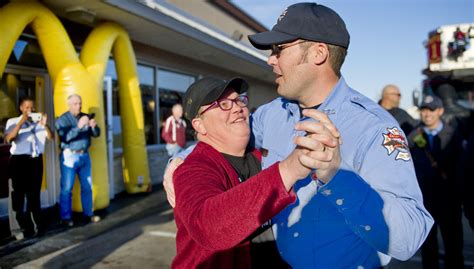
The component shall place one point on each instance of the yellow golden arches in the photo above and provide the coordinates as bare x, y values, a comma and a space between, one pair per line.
112, 37
70, 75
94, 56
16, 16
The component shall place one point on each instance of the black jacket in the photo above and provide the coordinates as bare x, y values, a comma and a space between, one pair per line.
437, 167
468, 175
406, 122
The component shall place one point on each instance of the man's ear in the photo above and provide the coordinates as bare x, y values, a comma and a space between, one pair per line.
441, 111
198, 126
320, 53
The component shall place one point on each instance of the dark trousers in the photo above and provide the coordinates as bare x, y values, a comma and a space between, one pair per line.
266, 255
26, 174
449, 220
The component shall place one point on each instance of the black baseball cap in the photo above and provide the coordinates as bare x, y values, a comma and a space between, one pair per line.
208, 90
432, 102
308, 21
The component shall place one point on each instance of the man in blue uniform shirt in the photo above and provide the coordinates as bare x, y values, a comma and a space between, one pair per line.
370, 207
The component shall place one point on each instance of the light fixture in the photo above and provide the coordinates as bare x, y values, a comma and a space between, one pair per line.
81, 14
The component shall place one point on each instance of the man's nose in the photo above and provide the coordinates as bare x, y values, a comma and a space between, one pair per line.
272, 60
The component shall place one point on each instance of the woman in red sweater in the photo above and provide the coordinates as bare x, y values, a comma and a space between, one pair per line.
222, 197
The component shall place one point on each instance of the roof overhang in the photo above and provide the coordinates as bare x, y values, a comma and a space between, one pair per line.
161, 25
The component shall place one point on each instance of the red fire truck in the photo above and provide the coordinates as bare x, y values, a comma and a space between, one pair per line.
451, 62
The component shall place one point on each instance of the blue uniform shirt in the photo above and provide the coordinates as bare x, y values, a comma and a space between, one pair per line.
71, 136
372, 207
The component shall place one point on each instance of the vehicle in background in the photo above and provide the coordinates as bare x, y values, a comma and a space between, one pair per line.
450, 50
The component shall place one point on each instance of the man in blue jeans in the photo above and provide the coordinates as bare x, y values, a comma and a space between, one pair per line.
75, 130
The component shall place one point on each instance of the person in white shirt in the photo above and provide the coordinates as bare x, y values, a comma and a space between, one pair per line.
27, 135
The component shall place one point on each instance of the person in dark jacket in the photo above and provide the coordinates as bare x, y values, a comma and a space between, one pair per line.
390, 101
222, 197
436, 148
468, 187
454, 114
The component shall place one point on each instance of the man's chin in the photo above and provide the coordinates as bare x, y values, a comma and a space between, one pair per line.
281, 91
285, 95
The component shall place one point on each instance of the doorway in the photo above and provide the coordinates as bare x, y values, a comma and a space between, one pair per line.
16, 83
109, 133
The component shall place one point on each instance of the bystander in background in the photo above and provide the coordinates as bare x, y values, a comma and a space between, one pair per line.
436, 149
468, 188
391, 101
174, 131
454, 114
27, 134
75, 130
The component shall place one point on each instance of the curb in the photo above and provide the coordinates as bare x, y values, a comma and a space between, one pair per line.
61, 242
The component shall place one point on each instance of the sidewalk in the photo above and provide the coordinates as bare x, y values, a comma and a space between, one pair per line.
123, 209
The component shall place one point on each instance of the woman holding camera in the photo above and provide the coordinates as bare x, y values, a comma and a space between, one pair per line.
27, 134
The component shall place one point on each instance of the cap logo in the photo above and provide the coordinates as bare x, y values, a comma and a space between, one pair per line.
429, 99
283, 14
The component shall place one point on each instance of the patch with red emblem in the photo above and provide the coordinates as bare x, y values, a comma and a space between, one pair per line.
394, 141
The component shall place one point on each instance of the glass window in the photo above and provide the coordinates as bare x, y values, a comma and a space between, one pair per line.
174, 81
27, 52
13, 88
172, 86
147, 88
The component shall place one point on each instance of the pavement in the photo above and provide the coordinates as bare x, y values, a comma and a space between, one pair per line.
64, 242
137, 231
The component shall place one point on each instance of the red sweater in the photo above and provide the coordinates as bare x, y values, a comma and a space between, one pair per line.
174, 131
215, 214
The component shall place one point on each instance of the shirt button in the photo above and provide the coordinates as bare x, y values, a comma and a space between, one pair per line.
367, 228
296, 234
360, 267
339, 202
327, 192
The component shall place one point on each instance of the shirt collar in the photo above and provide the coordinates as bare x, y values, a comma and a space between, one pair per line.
75, 118
330, 106
435, 131
336, 98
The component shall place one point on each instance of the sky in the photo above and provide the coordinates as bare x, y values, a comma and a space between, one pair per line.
387, 37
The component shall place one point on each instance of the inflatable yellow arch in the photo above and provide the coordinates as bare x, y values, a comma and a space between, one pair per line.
84, 76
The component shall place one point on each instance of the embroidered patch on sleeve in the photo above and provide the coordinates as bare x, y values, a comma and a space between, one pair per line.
394, 141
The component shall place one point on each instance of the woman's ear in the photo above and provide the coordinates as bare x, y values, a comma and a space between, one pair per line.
198, 126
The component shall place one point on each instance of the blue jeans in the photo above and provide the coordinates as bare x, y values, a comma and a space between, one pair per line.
173, 149
72, 164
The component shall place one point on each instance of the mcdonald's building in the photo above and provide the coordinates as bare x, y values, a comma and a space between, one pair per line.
131, 61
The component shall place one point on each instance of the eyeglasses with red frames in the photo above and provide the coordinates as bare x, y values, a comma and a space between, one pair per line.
277, 49
226, 103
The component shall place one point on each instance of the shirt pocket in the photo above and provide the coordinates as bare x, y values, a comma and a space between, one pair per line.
277, 144
271, 154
